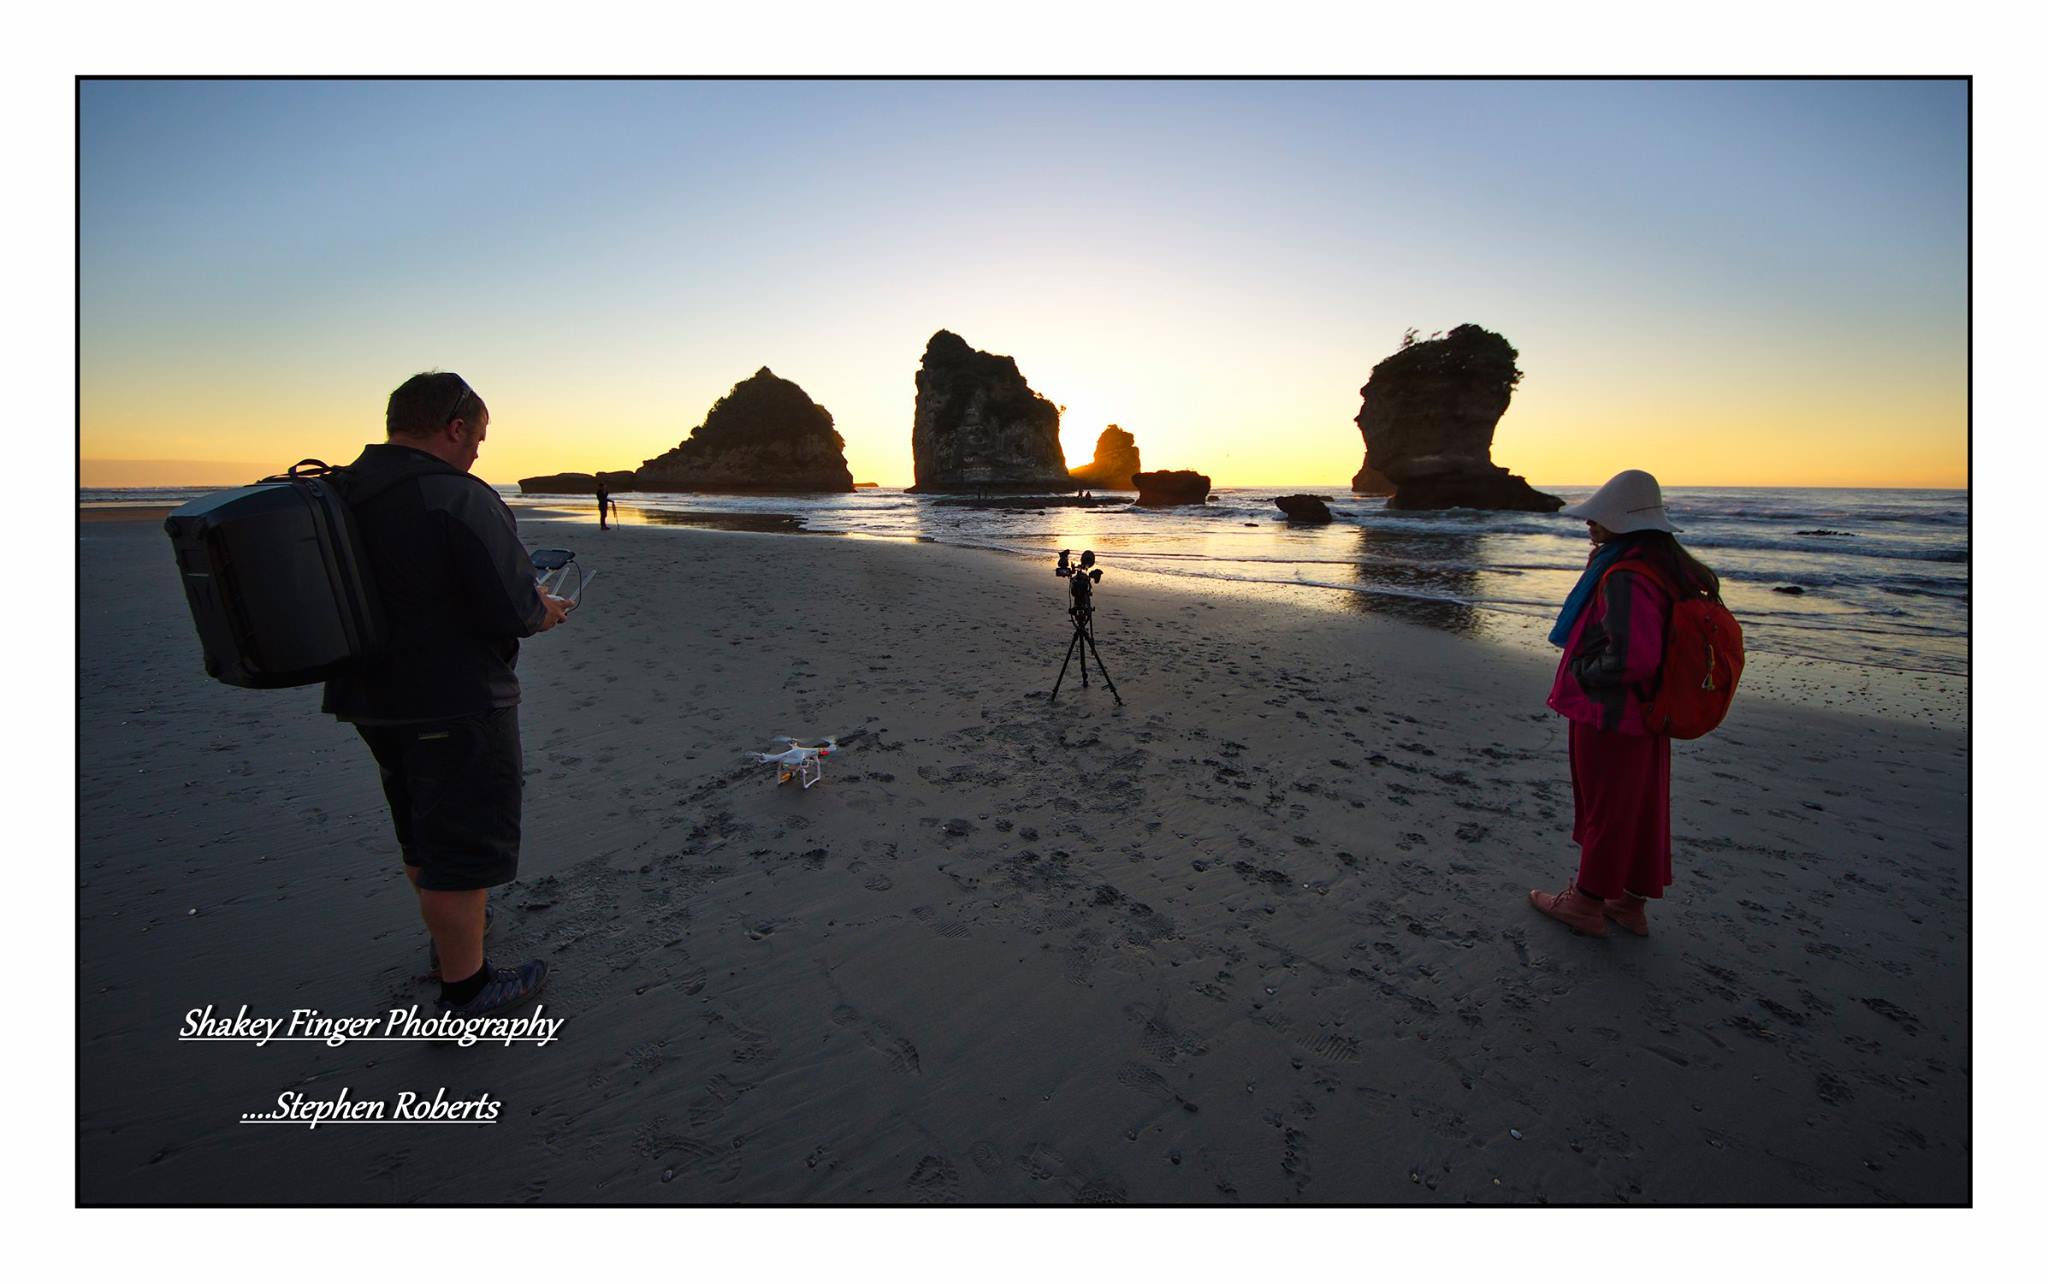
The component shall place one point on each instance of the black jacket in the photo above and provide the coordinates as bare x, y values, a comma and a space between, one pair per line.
457, 585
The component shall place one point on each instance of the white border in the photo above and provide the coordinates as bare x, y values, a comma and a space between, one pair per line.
1479, 36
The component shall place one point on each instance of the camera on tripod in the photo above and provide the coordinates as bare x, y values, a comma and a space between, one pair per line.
1081, 578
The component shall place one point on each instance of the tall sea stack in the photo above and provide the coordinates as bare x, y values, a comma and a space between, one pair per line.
766, 435
1116, 460
1428, 418
979, 426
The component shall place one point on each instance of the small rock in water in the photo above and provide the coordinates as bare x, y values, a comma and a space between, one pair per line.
1793, 589
1173, 1156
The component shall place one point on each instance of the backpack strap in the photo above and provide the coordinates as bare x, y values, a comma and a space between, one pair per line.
1647, 693
305, 468
1640, 566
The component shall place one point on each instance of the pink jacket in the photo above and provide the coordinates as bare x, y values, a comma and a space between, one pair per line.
1610, 664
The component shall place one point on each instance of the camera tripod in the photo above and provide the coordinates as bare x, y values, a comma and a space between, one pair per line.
1083, 643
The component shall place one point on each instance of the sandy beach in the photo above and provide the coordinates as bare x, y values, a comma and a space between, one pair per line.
1257, 936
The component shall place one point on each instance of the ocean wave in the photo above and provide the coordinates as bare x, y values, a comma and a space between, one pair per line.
1823, 545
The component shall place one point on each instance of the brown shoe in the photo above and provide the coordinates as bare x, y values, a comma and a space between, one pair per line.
1573, 908
1627, 911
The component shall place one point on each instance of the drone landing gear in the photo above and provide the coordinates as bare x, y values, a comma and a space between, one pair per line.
806, 773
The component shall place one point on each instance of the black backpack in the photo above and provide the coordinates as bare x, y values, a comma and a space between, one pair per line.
276, 578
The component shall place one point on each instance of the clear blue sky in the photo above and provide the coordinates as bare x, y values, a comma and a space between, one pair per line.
1726, 282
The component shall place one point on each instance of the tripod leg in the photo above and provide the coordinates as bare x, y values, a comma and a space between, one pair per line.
1105, 670
1063, 666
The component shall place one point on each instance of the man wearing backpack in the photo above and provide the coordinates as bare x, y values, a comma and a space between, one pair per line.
438, 704
1649, 653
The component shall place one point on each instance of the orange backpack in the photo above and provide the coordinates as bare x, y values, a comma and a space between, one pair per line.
1702, 661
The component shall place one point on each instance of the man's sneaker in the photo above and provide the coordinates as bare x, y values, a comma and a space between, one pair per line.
508, 988
1628, 911
1573, 908
434, 951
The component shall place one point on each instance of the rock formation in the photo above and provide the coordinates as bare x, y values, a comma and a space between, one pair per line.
1181, 486
1116, 459
979, 426
765, 435
1308, 510
575, 483
1028, 503
1428, 418
1369, 480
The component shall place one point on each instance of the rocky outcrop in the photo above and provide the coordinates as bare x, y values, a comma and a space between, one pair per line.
1180, 486
1116, 459
1428, 418
766, 435
559, 484
1369, 480
980, 427
1307, 510
575, 483
1495, 489
1027, 503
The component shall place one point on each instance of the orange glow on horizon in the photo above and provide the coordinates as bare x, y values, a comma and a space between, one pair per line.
1563, 428
1683, 454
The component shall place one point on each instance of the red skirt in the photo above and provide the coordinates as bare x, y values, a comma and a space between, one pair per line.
1621, 811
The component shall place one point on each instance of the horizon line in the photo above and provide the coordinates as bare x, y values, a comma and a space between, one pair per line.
1214, 484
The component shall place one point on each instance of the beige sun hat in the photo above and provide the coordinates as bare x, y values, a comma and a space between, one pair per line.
1630, 501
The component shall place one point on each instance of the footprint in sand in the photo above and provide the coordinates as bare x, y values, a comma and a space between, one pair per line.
749, 1045
898, 1053
1294, 1158
1159, 1039
1102, 1192
1146, 1080
986, 1157
1339, 1048
1042, 1163
935, 1181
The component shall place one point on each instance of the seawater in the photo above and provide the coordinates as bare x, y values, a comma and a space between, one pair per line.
1891, 588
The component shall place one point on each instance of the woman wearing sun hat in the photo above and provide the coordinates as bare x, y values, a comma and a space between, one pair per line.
1612, 631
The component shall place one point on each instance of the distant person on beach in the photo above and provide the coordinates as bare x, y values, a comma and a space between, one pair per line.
604, 499
1612, 629
439, 704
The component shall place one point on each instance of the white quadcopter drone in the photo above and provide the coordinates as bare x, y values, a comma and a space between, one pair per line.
801, 763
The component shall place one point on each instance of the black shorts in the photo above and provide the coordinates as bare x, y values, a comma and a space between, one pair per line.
453, 786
